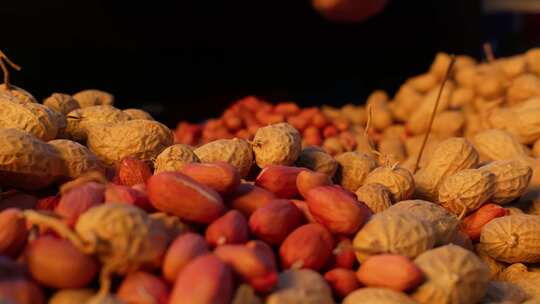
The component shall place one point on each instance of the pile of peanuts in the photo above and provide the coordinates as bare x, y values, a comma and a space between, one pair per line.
278, 204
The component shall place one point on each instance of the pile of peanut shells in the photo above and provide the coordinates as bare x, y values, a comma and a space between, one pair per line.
278, 204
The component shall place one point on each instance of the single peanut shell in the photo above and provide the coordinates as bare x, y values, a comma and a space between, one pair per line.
236, 152
376, 196
512, 178
317, 160
27, 162
77, 158
451, 156
371, 295
353, 169
92, 97
466, 190
453, 275
444, 223
141, 139
393, 233
61, 103
512, 238
399, 181
174, 157
278, 144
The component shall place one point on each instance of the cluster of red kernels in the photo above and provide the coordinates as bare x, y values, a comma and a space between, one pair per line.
245, 116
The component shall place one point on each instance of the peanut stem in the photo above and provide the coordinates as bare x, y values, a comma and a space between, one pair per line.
488, 51
104, 282
59, 227
432, 118
368, 122
5, 70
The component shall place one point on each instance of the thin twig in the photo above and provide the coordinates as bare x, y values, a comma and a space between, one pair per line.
488, 51
432, 118
5, 70
368, 122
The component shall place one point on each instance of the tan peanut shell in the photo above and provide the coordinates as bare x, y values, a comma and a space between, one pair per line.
493, 144
333, 146
519, 275
418, 122
174, 157
236, 152
513, 210
522, 88
393, 233
513, 238
504, 292
532, 103
498, 118
71, 296
278, 144
81, 120
372, 295
423, 83
34, 118
317, 160
466, 190
245, 294
536, 149
394, 131
525, 125
141, 139
413, 144
392, 146
463, 240
355, 114
532, 58
467, 77
448, 124
399, 181
138, 114
444, 224
514, 272
453, 275
363, 144
301, 286
381, 114
61, 103
17, 94
490, 86
406, 101
332, 112
451, 156
122, 236
27, 162
377, 97
512, 66
473, 123
89, 98
495, 267
376, 196
512, 178
77, 158
463, 61
461, 96
440, 65
353, 169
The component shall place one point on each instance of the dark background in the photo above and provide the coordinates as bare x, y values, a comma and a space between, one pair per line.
190, 59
